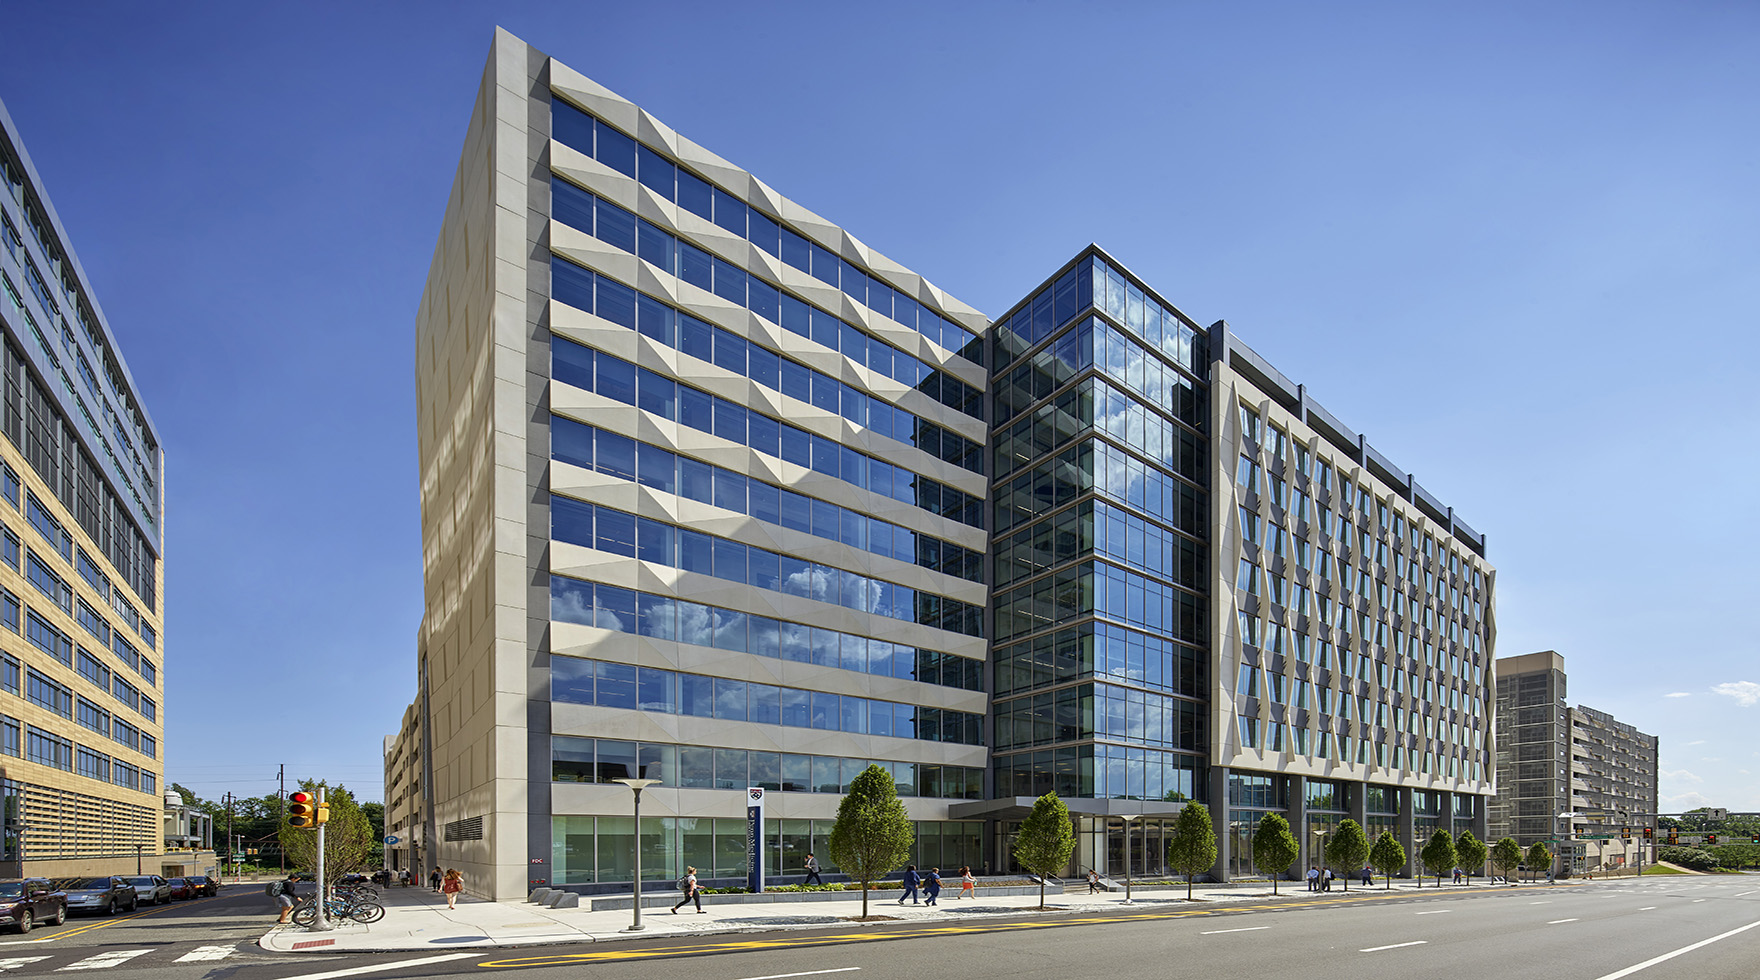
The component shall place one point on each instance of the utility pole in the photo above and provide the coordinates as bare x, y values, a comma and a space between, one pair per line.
281, 815
230, 853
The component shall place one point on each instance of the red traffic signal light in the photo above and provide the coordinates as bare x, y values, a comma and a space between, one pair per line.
1710, 838
301, 810
1649, 834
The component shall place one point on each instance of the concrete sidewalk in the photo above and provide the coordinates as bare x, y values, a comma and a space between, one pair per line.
417, 919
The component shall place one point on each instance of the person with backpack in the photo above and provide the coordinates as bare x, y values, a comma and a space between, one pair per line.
932, 886
813, 872
450, 886
283, 894
688, 885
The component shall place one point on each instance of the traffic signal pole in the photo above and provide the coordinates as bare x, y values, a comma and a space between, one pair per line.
322, 921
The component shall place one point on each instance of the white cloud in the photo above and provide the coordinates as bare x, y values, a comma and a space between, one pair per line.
1677, 694
1680, 774
1684, 802
1746, 693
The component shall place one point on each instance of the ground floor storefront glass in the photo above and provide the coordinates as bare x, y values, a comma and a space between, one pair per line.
1102, 844
588, 849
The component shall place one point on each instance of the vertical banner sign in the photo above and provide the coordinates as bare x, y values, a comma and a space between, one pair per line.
755, 838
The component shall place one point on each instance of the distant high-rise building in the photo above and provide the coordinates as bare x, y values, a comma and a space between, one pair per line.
1577, 779
715, 494
81, 505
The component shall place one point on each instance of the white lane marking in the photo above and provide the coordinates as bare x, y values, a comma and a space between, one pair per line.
1434, 912
201, 953
1218, 932
1634, 968
1377, 949
1696, 901
1648, 908
809, 973
1547, 902
1557, 922
104, 961
381, 967
15, 962
1743, 894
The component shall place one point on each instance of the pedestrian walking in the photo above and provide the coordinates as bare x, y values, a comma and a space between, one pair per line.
1326, 881
434, 879
910, 884
813, 872
968, 886
1313, 878
284, 895
932, 886
688, 885
1093, 881
1368, 877
450, 886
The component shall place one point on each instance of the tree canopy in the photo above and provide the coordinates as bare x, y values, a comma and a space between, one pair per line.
1347, 849
1274, 848
1539, 858
1387, 856
1438, 854
349, 844
1191, 850
1045, 840
872, 834
1471, 853
1506, 856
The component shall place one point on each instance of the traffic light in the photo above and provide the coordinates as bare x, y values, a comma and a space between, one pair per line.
1710, 839
323, 813
1649, 835
1625, 833
1674, 835
1755, 838
302, 810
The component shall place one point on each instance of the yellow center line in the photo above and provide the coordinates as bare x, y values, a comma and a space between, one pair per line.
796, 941
104, 924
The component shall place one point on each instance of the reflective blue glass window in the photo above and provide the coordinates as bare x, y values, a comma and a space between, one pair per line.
614, 685
730, 212
657, 247
656, 393
571, 127
571, 442
696, 480
696, 266
615, 226
657, 173
615, 150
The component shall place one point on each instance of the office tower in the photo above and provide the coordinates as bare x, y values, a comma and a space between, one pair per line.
81, 507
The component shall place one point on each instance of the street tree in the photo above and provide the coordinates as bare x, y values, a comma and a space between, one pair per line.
1191, 850
1471, 851
1438, 854
348, 836
1045, 841
1387, 856
872, 834
1274, 848
1539, 856
1506, 856
1348, 848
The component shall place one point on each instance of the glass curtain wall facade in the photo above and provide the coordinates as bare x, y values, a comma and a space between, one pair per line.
1100, 648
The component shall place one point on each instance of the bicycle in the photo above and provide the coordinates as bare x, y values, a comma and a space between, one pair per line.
340, 907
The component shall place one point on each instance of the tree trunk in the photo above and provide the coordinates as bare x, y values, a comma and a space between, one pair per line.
865, 899
1041, 891
1188, 888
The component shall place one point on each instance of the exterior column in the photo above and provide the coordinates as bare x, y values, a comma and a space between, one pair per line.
1219, 820
1407, 831
1481, 826
1297, 815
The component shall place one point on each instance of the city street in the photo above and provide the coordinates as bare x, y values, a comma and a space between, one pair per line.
1586, 931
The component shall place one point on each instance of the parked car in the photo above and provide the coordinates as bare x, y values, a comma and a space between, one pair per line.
150, 889
204, 885
25, 902
180, 889
107, 895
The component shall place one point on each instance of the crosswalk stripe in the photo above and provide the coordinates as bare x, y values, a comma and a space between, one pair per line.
15, 962
201, 953
104, 961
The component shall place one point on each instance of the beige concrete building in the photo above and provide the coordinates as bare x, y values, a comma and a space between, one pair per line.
1356, 625
1577, 778
81, 617
789, 590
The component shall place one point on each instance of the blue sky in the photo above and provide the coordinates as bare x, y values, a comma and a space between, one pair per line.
1515, 245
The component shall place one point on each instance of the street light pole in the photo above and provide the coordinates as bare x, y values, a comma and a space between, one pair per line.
1127, 818
137, 858
1320, 853
636, 786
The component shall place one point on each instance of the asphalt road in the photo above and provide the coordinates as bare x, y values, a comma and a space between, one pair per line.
1667, 928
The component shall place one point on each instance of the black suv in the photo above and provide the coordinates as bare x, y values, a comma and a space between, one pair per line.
26, 901
107, 895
